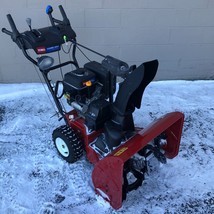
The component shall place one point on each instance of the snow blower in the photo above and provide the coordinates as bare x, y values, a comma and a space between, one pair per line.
100, 117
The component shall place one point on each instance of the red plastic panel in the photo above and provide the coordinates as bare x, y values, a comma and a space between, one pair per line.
107, 175
107, 178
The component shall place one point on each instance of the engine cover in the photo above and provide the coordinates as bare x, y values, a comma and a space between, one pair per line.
78, 79
103, 76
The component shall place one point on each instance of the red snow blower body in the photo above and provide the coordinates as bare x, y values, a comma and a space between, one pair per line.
100, 124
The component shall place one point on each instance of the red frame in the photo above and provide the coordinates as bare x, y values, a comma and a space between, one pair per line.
78, 124
107, 175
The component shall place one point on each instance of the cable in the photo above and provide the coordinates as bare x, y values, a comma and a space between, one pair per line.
83, 53
89, 49
69, 49
60, 64
47, 93
68, 52
45, 89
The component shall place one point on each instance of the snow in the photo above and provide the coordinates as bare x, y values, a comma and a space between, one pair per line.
34, 179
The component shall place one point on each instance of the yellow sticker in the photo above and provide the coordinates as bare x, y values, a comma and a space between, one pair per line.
121, 151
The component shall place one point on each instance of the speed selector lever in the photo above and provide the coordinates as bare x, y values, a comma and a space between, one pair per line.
28, 20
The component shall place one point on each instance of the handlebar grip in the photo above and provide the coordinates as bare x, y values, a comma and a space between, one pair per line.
64, 16
15, 32
4, 30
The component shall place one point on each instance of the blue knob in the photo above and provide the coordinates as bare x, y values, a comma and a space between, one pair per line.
49, 9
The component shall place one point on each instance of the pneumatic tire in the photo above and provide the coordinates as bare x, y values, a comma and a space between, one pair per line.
67, 143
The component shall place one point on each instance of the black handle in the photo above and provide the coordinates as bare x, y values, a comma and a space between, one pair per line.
6, 31
64, 16
15, 32
49, 11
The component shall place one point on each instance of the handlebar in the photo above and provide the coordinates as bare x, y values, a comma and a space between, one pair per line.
15, 32
65, 20
64, 16
42, 40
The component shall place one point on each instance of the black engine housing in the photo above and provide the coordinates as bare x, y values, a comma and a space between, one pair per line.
79, 84
86, 90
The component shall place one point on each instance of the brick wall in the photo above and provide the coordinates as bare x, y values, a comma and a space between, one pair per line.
178, 33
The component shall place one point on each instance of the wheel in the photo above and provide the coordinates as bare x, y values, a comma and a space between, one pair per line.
67, 143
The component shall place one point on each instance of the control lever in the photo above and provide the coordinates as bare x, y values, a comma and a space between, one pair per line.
64, 16
28, 20
34, 31
49, 11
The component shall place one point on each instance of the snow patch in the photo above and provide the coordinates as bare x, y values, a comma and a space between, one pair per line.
34, 179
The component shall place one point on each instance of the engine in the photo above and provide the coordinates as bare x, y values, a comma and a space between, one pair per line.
87, 90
